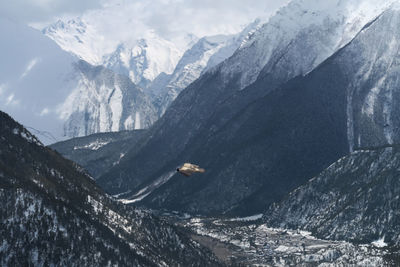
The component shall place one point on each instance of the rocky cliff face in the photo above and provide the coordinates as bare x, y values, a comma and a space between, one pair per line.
103, 102
52, 213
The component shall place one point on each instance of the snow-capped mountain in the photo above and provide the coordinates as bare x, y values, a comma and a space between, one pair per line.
143, 61
207, 53
151, 62
299, 37
142, 58
89, 99
279, 131
189, 68
235, 42
58, 96
103, 102
76, 37
52, 213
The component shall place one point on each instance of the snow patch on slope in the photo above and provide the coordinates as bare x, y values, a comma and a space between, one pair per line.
92, 146
380, 243
144, 192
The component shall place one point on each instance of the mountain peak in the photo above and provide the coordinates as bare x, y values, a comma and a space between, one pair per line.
330, 25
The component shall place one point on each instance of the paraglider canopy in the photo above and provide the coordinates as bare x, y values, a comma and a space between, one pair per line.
188, 169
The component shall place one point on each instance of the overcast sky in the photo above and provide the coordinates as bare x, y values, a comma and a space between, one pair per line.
197, 16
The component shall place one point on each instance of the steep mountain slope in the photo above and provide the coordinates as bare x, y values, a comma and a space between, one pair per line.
207, 53
355, 199
104, 101
52, 213
299, 37
188, 69
97, 153
261, 141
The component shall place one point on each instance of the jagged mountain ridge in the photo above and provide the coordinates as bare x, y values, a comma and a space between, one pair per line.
74, 37
320, 28
151, 62
53, 213
223, 127
188, 69
141, 59
204, 55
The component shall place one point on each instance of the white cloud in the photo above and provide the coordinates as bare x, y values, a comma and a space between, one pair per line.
44, 112
11, 101
26, 11
31, 64
172, 17
168, 16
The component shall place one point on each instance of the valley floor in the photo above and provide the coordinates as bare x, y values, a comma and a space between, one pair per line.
238, 242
